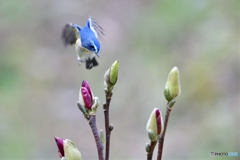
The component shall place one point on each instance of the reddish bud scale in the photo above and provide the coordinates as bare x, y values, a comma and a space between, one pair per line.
159, 125
158, 118
59, 142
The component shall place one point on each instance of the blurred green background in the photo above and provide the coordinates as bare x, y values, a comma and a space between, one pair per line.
40, 79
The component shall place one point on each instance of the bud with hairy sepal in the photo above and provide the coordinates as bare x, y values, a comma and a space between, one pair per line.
83, 110
167, 94
151, 135
172, 87
95, 105
155, 125
171, 103
67, 149
111, 75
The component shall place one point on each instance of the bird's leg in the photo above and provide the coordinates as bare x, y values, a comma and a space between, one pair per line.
89, 64
82, 60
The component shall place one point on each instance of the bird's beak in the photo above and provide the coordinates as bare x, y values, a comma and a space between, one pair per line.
97, 54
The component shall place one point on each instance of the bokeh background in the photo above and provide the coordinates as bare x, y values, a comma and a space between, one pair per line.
40, 79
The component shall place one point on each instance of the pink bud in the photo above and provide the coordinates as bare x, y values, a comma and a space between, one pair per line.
59, 142
86, 85
87, 98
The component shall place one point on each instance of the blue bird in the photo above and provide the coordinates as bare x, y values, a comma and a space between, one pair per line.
86, 40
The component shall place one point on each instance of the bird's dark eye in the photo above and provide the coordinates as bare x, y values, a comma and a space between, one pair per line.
92, 47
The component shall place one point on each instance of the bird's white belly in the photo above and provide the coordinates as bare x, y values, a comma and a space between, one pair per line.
83, 53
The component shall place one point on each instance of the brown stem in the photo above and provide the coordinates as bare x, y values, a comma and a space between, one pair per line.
150, 153
92, 123
161, 139
107, 129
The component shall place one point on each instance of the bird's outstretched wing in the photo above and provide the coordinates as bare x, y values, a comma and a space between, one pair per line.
96, 28
70, 34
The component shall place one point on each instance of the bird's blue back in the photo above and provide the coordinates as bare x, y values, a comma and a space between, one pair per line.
86, 35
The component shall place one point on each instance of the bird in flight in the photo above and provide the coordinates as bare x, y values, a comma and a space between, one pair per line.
86, 40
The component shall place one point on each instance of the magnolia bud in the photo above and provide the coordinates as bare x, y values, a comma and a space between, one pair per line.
111, 75
155, 125
67, 149
172, 87
85, 95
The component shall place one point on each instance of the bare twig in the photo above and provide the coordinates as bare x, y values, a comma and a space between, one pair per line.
150, 153
161, 139
92, 123
108, 94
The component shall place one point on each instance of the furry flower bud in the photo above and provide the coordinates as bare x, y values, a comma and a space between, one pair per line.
172, 87
155, 125
67, 149
111, 76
